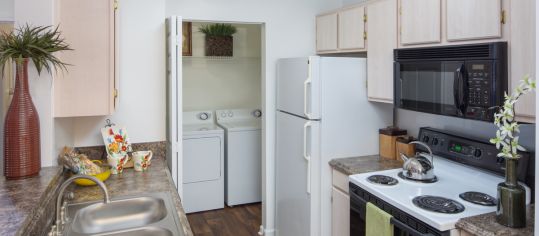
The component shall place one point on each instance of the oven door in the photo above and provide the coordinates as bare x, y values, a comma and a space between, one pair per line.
437, 87
358, 215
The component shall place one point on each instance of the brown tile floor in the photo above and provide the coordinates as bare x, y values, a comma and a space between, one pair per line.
243, 220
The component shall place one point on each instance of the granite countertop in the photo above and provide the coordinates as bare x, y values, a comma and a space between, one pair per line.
485, 225
21, 200
363, 164
130, 182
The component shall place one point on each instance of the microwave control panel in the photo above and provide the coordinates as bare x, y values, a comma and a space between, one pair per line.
479, 78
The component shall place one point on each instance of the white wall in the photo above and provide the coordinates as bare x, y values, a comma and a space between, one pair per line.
7, 9
289, 29
142, 107
350, 2
211, 83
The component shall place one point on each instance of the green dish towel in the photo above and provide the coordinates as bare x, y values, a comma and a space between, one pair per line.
377, 222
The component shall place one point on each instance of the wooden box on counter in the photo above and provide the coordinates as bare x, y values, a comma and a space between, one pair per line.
388, 138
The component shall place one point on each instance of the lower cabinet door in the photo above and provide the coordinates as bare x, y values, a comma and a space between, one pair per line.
340, 220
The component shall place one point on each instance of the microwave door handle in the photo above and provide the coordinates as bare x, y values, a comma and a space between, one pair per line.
458, 90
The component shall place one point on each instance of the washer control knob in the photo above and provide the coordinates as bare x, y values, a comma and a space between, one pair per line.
203, 116
435, 141
223, 114
230, 114
257, 113
426, 139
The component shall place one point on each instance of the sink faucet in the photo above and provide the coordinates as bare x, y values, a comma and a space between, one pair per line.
59, 206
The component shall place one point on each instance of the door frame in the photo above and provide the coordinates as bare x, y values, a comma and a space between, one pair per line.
268, 164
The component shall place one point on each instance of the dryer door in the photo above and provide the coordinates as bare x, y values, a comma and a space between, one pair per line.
201, 159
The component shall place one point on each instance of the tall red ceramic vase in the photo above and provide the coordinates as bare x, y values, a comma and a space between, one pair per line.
22, 149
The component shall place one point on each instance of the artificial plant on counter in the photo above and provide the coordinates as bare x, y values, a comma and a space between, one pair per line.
511, 207
506, 139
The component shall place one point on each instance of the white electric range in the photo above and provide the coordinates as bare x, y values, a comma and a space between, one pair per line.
466, 186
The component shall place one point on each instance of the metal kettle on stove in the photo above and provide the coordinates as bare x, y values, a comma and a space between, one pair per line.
418, 167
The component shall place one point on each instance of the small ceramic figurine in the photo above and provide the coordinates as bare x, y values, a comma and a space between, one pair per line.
141, 160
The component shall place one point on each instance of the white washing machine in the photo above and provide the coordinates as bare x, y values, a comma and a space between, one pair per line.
243, 155
203, 162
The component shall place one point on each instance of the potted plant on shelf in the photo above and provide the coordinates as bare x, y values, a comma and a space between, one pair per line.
511, 209
219, 41
22, 151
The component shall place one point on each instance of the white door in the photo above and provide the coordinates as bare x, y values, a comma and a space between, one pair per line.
473, 19
352, 28
296, 176
174, 99
298, 86
420, 21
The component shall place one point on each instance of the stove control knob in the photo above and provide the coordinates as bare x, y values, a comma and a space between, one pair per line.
435, 141
477, 153
426, 139
500, 160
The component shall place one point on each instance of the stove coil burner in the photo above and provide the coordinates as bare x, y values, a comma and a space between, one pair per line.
426, 181
383, 180
438, 204
478, 198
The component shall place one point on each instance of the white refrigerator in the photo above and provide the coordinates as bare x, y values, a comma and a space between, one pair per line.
322, 113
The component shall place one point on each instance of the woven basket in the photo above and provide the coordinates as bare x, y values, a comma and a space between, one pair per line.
221, 46
22, 149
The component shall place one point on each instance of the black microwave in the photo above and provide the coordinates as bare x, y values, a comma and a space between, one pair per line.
467, 81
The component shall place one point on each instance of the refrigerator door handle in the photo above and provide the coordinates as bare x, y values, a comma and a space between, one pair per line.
306, 97
306, 146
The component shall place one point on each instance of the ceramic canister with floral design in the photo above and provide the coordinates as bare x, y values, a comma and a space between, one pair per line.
117, 162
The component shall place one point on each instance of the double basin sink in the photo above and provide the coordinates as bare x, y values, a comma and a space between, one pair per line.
145, 214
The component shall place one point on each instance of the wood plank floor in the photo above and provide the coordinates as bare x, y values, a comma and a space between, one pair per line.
243, 220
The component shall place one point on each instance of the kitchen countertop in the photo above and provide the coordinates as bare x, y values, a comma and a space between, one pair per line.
485, 225
21, 200
363, 164
130, 182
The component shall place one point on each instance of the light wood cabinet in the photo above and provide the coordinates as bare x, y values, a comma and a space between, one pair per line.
340, 219
473, 19
382, 37
352, 29
326, 32
340, 205
420, 21
522, 54
88, 88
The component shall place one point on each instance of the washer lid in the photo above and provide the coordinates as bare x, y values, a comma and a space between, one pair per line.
202, 129
241, 125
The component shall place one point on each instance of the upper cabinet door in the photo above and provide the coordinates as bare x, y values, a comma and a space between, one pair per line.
522, 54
326, 32
352, 28
473, 19
382, 20
88, 87
420, 21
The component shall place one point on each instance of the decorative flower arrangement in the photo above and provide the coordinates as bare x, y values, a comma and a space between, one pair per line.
506, 139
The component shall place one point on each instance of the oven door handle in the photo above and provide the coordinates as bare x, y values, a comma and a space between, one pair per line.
407, 229
460, 90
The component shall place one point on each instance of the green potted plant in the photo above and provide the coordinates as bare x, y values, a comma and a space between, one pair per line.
22, 151
219, 41
511, 209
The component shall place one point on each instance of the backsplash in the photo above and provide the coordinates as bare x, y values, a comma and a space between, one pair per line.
98, 152
412, 121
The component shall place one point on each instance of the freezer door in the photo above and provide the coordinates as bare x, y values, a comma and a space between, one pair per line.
298, 87
297, 176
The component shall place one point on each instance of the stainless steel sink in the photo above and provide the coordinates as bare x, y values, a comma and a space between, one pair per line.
145, 214
153, 231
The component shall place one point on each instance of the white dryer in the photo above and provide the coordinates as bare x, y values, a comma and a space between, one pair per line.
243, 155
203, 162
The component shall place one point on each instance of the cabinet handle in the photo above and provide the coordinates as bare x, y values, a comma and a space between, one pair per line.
115, 5
502, 17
